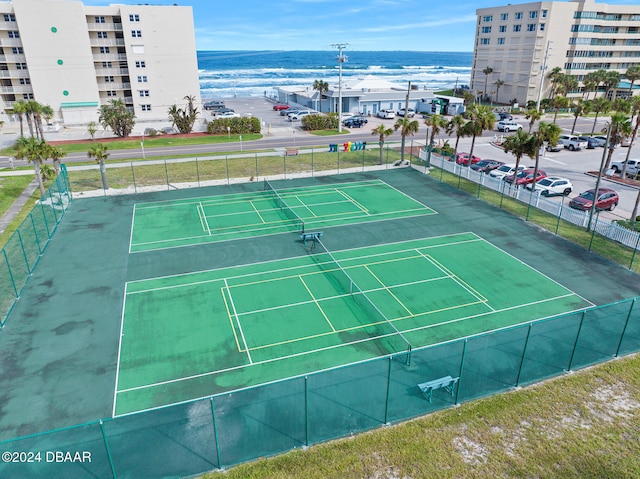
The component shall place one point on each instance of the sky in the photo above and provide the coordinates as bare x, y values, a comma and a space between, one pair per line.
419, 25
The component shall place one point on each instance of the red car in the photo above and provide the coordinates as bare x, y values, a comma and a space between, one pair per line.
280, 107
525, 177
607, 200
463, 159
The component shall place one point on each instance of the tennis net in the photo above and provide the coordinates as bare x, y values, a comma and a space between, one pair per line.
284, 207
380, 327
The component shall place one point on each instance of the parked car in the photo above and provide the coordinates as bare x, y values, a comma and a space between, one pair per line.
508, 125
501, 115
601, 139
289, 110
591, 141
551, 186
228, 114
463, 159
607, 200
485, 166
361, 118
504, 170
213, 105
410, 112
297, 115
525, 177
556, 147
633, 167
222, 111
386, 114
572, 142
281, 106
353, 122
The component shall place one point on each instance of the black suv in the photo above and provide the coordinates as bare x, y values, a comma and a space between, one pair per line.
354, 122
213, 105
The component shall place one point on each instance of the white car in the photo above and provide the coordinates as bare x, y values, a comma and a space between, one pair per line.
508, 125
299, 114
228, 114
386, 114
504, 171
552, 185
410, 112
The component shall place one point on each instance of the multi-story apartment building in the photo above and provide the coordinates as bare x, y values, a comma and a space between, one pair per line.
76, 58
523, 43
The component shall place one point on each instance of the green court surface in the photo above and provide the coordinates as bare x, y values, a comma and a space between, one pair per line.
168, 224
193, 335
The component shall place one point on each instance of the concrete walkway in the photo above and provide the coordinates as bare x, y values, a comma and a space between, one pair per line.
17, 205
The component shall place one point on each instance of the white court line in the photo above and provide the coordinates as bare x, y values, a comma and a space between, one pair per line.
115, 392
203, 219
235, 313
351, 200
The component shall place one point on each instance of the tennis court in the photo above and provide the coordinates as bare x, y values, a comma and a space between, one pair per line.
169, 224
193, 335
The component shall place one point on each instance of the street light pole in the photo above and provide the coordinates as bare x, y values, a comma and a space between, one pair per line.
596, 192
341, 59
543, 69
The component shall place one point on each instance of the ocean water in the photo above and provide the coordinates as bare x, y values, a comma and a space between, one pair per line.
228, 74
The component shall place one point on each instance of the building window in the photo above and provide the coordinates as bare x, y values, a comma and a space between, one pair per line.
104, 49
141, 64
13, 34
487, 18
111, 93
517, 28
144, 93
484, 41
142, 78
503, 28
134, 18
504, 17
486, 29
501, 41
542, 27
533, 15
531, 27
109, 78
544, 13
27, 96
25, 81
136, 33
17, 50
100, 20
518, 15
102, 35
145, 107
21, 66
107, 65
9, 17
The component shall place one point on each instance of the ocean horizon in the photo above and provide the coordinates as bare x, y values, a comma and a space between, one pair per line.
252, 73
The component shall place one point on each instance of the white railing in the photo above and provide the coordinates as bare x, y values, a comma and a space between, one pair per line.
606, 228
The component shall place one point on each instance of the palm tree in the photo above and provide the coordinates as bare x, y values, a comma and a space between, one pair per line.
620, 126
598, 105
634, 101
632, 74
557, 103
19, 109
382, 131
520, 144
498, 83
610, 81
590, 83
56, 154
35, 152
555, 77
487, 71
98, 152
481, 118
547, 133
407, 127
621, 105
533, 115
456, 124
580, 108
321, 87
436, 123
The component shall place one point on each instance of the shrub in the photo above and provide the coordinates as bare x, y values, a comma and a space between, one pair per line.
237, 126
320, 122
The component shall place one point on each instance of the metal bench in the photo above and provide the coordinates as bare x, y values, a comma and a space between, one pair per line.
447, 383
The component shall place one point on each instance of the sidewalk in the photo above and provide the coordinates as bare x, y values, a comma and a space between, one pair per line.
17, 205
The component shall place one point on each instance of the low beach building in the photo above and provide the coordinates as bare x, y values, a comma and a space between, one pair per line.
369, 95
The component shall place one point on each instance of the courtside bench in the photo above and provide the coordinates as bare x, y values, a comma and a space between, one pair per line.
447, 383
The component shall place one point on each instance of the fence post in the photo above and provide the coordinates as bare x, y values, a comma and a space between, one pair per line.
133, 176
284, 165
46, 223
624, 330
575, 344
312, 172
13, 281
633, 255
166, 174
35, 232
386, 403
306, 410
106, 446
464, 350
215, 432
226, 161
197, 172
256, 155
524, 352
24, 253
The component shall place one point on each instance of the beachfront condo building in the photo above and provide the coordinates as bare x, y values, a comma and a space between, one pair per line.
76, 58
517, 46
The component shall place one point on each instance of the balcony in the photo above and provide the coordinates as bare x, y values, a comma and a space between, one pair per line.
104, 27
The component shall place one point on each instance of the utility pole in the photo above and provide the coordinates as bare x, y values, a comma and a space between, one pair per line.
542, 70
341, 59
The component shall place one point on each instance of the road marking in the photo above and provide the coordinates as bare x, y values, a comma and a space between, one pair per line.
553, 161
